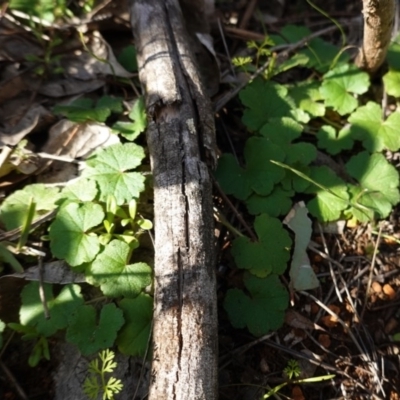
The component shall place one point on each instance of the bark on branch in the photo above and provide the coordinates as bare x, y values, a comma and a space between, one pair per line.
180, 137
378, 24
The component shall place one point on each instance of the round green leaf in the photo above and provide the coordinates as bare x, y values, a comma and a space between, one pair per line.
69, 236
108, 168
270, 254
263, 310
115, 278
133, 338
90, 336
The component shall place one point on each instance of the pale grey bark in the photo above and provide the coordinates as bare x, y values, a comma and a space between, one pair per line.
378, 24
180, 139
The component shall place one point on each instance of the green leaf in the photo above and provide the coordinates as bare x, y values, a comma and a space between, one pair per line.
8, 257
83, 110
393, 54
307, 97
322, 54
329, 203
301, 273
232, 178
340, 84
300, 153
334, 142
297, 60
379, 185
367, 125
267, 256
91, 387
275, 204
70, 238
391, 81
260, 172
265, 100
131, 130
263, 310
290, 34
60, 307
90, 336
294, 182
15, 207
80, 190
108, 169
127, 58
115, 278
133, 338
114, 104
39, 351
281, 131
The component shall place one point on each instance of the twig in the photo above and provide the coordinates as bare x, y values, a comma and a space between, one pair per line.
248, 12
235, 211
319, 363
42, 294
333, 276
330, 312
221, 32
10, 376
373, 261
243, 349
15, 233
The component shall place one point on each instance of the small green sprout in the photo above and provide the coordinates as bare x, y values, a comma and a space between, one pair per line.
292, 369
97, 382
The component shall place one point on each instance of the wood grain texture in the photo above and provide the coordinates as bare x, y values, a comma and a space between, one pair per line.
180, 137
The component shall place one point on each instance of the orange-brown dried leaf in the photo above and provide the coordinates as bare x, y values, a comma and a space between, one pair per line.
297, 393
389, 291
376, 287
331, 321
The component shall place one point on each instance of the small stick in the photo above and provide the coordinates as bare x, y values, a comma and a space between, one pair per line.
15, 383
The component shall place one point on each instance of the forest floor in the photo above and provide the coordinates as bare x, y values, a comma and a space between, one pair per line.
357, 264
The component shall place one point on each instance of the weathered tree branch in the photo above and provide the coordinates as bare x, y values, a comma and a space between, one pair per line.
180, 137
378, 24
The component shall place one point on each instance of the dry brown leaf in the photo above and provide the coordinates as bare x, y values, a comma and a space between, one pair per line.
389, 291
18, 120
324, 340
297, 393
314, 308
296, 320
331, 321
376, 287
391, 325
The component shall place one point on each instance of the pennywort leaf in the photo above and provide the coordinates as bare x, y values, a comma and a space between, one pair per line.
110, 271
341, 84
32, 312
269, 254
262, 309
376, 134
70, 236
133, 338
378, 191
109, 169
89, 335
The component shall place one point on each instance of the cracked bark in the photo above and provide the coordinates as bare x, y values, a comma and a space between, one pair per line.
378, 24
180, 138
